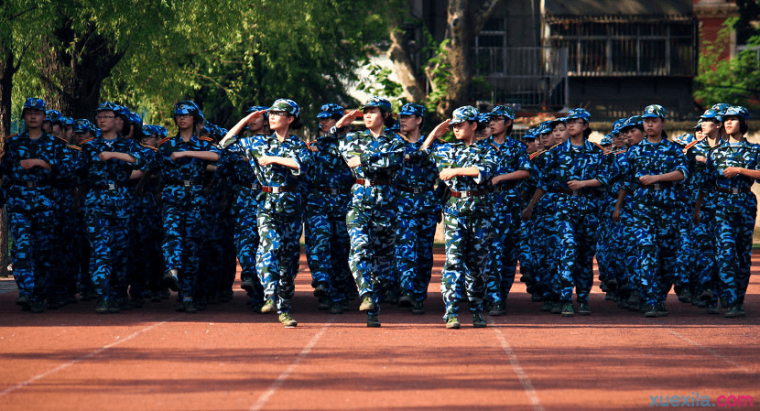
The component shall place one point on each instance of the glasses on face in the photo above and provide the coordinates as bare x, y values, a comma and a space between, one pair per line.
493, 119
575, 121
278, 114
104, 117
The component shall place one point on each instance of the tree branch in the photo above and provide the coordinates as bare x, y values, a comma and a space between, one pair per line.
485, 12
22, 13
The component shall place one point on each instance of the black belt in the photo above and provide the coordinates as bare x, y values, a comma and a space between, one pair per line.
184, 183
252, 186
278, 190
733, 190
468, 193
415, 190
367, 183
504, 187
659, 186
32, 184
333, 191
109, 186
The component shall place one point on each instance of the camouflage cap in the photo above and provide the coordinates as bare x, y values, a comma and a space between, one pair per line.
286, 105
655, 111
720, 108
82, 125
698, 126
632, 122
530, 134
33, 103
412, 109
684, 139
606, 140
379, 102
737, 111
54, 117
504, 111
186, 107
462, 114
581, 113
711, 114
330, 110
108, 106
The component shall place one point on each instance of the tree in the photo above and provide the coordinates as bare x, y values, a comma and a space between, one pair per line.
734, 81
449, 71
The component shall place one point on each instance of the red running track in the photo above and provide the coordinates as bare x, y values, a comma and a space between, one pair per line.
230, 358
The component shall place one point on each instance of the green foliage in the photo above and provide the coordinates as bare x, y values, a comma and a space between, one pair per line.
226, 55
381, 84
734, 81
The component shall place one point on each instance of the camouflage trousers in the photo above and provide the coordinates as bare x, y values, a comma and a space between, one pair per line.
32, 250
576, 245
503, 251
327, 250
414, 253
373, 247
655, 233
467, 244
109, 256
277, 257
705, 272
686, 253
184, 228
246, 243
734, 227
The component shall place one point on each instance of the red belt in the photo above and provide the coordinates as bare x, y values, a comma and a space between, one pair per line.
367, 183
278, 190
465, 194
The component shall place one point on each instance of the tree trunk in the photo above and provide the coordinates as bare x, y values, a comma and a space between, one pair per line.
402, 64
72, 84
459, 31
6, 87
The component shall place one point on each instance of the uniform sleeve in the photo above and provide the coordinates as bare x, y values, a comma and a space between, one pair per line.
601, 173
302, 156
544, 177
486, 163
136, 152
392, 158
681, 164
523, 160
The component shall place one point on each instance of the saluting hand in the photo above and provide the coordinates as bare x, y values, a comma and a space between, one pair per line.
348, 118
437, 132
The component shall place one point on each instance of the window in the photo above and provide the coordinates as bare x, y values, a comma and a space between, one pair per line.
627, 48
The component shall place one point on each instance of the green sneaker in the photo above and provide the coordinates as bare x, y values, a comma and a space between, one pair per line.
452, 323
373, 321
583, 309
732, 312
712, 308
367, 304
287, 320
567, 310
418, 308
498, 309
268, 307
101, 307
478, 321
556, 307
547, 306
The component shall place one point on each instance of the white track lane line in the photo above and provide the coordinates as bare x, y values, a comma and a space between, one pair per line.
521, 375
715, 354
80, 359
285, 374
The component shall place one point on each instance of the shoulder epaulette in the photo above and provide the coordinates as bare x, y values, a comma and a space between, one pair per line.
71, 146
87, 141
152, 148
621, 151
536, 154
164, 140
599, 146
206, 139
61, 139
10, 136
496, 147
690, 145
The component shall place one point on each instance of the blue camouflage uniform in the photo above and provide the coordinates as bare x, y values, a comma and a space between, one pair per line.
329, 183
575, 215
108, 209
371, 216
467, 220
281, 210
184, 206
31, 205
735, 208
419, 205
505, 198
654, 214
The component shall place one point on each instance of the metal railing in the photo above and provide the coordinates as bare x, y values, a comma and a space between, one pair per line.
525, 76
